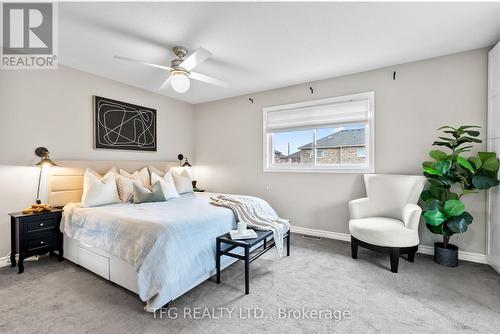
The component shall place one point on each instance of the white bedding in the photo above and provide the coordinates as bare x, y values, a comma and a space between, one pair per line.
171, 244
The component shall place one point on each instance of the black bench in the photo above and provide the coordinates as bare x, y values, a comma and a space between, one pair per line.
225, 245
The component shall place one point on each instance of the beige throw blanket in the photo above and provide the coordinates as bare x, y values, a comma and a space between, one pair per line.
257, 213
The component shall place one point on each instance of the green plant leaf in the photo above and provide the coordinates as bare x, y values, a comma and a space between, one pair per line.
464, 127
433, 204
430, 170
438, 155
476, 161
483, 181
463, 149
486, 155
473, 133
442, 167
426, 195
465, 163
491, 164
434, 217
446, 231
453, 133
450, 140
436, 191
427, 163
457, 224
435, 182
434, 229
442, 143
464, 139
453, 207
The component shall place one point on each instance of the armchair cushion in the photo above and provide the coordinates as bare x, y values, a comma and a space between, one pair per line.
383, 231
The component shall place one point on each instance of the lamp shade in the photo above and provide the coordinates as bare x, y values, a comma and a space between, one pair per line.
46, 162
43, 153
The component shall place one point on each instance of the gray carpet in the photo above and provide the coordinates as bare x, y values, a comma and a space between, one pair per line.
52, 297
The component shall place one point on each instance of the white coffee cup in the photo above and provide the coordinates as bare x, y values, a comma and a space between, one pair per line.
242, 227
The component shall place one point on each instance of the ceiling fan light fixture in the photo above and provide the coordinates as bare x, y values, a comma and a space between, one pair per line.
180, 81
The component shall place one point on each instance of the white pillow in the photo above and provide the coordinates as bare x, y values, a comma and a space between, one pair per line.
156, 171
142, 176
183, 182
98, 191
167, 185
126, 187
113, 170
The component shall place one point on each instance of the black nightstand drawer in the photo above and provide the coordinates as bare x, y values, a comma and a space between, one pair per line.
40, 225
41, 240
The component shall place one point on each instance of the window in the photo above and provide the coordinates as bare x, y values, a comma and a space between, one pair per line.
328, 135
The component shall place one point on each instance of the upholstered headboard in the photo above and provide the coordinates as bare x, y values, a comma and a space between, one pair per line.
66, 181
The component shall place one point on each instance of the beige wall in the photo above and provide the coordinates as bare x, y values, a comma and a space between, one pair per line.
425, 95
53, 108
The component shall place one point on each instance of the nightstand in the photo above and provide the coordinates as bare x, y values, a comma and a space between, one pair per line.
35, 234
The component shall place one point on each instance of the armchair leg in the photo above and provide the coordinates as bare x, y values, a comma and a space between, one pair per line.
394, 259
354, 248
411, 256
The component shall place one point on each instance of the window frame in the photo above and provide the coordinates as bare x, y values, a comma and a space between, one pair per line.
368, 167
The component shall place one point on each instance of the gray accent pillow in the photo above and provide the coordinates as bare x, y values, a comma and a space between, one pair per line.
143, 194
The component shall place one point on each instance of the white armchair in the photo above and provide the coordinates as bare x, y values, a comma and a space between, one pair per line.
387, 219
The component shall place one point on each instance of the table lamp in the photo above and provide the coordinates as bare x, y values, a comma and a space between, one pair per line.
45, 161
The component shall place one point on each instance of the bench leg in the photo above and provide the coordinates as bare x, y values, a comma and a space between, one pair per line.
217, 260
247, 267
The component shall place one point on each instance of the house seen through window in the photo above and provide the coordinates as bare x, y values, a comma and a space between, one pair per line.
341, 145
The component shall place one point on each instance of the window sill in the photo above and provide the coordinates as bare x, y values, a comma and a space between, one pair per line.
319, 170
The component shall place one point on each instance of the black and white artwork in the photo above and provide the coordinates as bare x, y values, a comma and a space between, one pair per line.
124, 126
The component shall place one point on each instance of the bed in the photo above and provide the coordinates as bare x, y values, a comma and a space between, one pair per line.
157, 250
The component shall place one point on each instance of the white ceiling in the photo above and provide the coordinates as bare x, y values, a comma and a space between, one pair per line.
260, 46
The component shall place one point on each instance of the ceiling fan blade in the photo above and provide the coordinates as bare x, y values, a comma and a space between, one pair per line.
195, 59
143, 63
166, 84
207, 79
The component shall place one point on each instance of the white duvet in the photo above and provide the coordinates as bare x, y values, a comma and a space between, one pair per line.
171, 244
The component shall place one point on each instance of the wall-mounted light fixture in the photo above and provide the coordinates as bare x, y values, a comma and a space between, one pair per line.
186, 163
45, 161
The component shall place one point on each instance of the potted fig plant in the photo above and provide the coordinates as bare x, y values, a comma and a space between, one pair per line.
451, 176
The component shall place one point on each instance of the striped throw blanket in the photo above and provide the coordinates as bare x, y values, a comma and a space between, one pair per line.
257, 213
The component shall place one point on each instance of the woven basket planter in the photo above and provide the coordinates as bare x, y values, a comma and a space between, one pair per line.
446, 256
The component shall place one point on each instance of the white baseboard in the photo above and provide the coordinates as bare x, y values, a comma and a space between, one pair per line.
3, 261
429, 250
462, 255
320, 233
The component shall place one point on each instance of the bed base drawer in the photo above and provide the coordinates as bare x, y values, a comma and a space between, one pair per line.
93, 262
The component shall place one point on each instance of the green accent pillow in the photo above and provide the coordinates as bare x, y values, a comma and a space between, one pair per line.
144, 195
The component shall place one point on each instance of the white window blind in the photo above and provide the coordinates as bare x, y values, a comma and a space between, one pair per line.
328, 113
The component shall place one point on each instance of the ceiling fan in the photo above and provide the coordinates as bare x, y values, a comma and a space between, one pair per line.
181, 69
